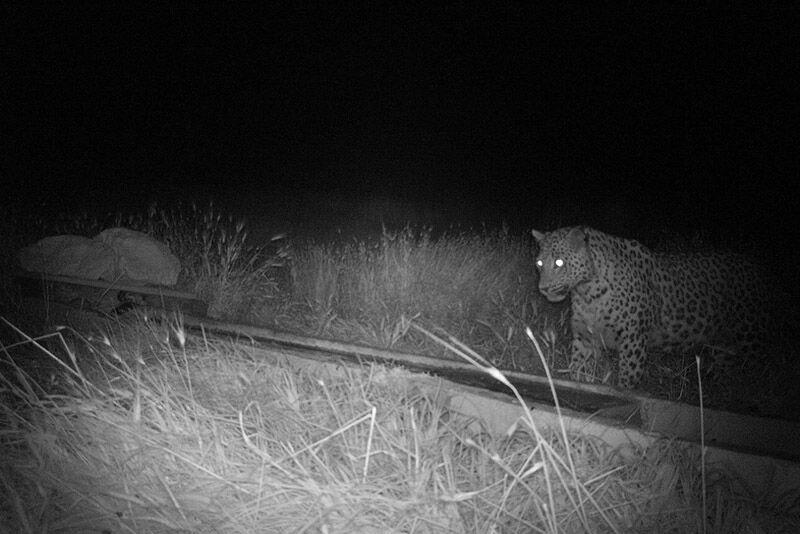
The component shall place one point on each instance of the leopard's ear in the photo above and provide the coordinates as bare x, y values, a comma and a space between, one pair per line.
577, 238
538, 236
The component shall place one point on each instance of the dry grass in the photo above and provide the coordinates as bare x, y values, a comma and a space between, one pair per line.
479, 286
218, 263
144, 428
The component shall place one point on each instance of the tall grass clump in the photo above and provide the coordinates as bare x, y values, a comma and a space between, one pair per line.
218, 264
149, 428
479, 286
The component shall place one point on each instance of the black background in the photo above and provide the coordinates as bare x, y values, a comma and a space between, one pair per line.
680, 116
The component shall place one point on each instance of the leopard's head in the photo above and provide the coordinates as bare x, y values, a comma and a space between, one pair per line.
563, 261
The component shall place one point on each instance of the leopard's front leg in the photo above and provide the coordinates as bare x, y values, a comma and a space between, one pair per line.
632, 357
582, 360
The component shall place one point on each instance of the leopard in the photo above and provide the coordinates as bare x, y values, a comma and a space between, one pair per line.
629, 300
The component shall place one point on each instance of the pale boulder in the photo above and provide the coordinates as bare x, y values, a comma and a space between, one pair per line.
140, 258
114, 255
69, 255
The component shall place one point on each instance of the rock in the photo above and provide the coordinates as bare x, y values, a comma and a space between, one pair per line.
69, 255
141, 258
114, 255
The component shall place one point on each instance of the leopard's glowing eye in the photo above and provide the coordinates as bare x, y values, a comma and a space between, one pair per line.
539, 263
559, 262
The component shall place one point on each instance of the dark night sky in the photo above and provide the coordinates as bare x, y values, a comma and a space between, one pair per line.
686, 113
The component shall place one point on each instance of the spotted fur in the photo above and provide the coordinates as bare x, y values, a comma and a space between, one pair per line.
628, 299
